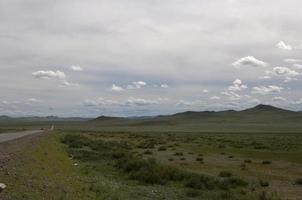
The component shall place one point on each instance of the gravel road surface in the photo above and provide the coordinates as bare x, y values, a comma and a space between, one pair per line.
4, 137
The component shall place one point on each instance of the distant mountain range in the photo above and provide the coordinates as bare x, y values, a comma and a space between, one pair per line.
260, 114
260, 117
43, 119
257, 119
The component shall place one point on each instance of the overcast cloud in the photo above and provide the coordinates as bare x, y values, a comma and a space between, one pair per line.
148, 57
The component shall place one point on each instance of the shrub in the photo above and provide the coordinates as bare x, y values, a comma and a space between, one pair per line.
232, 182
148, 152
162, 148
266, 162
178, 154
199, 182
298, 181
225, 174
183, 158
199, 159
263, 183
192, 193
247, 161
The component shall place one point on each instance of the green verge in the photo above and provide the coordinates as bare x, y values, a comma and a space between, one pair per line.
42, 171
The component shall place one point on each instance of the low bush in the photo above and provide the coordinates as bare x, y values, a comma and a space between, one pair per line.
263, 183
247, 161
266, 162
200, 182
225, 174
232, 182
199, 159
192, 193
298, 181
146, 171
162, 148
148, 152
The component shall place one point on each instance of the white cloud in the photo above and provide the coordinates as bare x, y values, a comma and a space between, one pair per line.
215, 98
291, 60
194, 103
34, 100
136, 85
285, 71
265, 77
237, 86
116, 88
164, 86
76, 68
89, 102
263, 90
298, 101
49, 74
288, 79
279, 99
297, 66
249, 61
66, 83
205, 91
140, 102
282, 45
5, 102
231, 95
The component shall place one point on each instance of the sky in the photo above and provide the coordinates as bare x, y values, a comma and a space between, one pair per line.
148, 57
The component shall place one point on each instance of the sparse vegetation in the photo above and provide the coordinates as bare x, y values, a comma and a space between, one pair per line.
266, 162
298, 181
225, 174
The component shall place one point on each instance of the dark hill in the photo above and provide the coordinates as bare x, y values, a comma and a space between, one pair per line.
261, 116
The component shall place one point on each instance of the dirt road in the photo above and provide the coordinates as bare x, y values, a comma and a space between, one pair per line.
4, 137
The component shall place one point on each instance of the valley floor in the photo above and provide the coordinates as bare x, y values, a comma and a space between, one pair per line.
100, 165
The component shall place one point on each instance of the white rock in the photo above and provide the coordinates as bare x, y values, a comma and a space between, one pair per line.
2, 186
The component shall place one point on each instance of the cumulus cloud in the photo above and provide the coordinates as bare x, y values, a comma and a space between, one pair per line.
231, 95
49, 74
282, 45
76, 68
237, 86
215, 98
116, 88
265, 77
185, 103
205, 91
297, 66
285, 71
279, 99
264, 90
136, 85
292, 60
34, 100
140, 102
88, 102
164, 86
101, 102
249, 61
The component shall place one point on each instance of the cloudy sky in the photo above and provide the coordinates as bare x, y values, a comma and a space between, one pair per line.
148, 57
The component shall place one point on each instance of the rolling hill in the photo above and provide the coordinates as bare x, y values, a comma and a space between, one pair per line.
259, 118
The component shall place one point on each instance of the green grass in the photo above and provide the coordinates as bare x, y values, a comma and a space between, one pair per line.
42, 172
156, 165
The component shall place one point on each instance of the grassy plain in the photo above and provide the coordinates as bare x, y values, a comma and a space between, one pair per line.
112, 165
